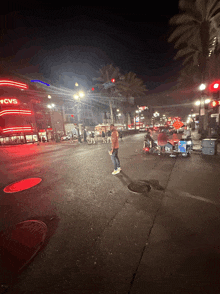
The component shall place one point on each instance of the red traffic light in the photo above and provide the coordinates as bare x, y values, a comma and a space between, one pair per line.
113, 80
215, 103
215, 86
72, 115
93, 89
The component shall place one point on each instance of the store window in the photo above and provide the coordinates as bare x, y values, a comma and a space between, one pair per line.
29, 138
35, 138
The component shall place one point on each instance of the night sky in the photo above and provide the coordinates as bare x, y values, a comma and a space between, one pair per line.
70, 43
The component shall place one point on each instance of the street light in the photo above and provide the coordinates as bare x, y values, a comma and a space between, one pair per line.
207, 101
202, 87
77, 97
81, 94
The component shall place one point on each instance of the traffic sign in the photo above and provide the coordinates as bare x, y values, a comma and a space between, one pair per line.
177, 125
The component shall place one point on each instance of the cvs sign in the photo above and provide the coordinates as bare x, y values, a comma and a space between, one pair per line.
9, 101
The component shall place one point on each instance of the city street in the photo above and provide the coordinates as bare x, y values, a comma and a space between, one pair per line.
104, 238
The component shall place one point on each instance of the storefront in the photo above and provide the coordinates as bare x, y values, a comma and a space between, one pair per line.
17, 118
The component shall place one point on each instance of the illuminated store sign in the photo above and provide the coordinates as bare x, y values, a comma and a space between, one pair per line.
13, 84
9, 101
16, 111
17, 129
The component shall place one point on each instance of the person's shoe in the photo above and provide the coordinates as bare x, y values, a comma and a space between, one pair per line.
115, 172
119, 169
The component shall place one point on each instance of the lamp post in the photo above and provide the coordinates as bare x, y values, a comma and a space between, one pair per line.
77, 97
51, 106
202, 87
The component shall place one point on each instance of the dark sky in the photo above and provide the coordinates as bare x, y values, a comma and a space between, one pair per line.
70, 43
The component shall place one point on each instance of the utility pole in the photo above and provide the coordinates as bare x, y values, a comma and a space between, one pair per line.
111, 112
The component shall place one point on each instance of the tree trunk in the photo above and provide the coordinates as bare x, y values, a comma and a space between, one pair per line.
111, 112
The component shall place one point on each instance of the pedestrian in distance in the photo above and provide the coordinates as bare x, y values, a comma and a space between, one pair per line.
79, 137
109, 136
85, 136
114, 150
92, 138
120, 134
103, 137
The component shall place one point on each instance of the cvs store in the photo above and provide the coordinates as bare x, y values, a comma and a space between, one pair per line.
17, 119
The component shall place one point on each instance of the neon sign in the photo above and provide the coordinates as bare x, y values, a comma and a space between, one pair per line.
9, 101
17, 129
13, 84
40, 82
15, 111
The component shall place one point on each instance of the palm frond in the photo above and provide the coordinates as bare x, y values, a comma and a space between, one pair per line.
183, 18
188, 35
185, 5
183, 52
212, 8
178, 32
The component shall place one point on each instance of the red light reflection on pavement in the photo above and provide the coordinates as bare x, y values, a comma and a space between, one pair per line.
22, 185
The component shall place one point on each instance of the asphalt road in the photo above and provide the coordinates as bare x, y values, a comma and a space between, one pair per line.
104, 238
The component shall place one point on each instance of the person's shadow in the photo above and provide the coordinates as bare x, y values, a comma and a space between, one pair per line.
124, 178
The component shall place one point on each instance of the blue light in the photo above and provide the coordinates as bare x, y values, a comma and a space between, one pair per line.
38, 81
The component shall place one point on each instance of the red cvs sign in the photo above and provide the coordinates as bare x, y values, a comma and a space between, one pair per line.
12, 101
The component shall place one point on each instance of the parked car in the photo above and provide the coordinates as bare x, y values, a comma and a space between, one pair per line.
65, 138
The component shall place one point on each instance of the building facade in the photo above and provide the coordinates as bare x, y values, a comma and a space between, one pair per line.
24, 117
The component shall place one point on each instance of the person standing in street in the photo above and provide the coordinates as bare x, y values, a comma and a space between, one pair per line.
103, 137
114, 150
85, 136
120, 134
92, 138
109, 136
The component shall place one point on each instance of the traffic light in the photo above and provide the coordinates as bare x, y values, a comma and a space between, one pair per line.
214, 88
93, 89
214, 105
113, 80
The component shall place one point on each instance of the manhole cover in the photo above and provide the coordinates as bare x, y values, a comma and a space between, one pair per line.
22, 185
139, 187
21, 243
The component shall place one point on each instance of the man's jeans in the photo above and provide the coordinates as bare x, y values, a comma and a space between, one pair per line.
115, 159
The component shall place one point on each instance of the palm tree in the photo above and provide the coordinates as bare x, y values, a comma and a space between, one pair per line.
196, 32
196, 35
130, 87
107, 73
